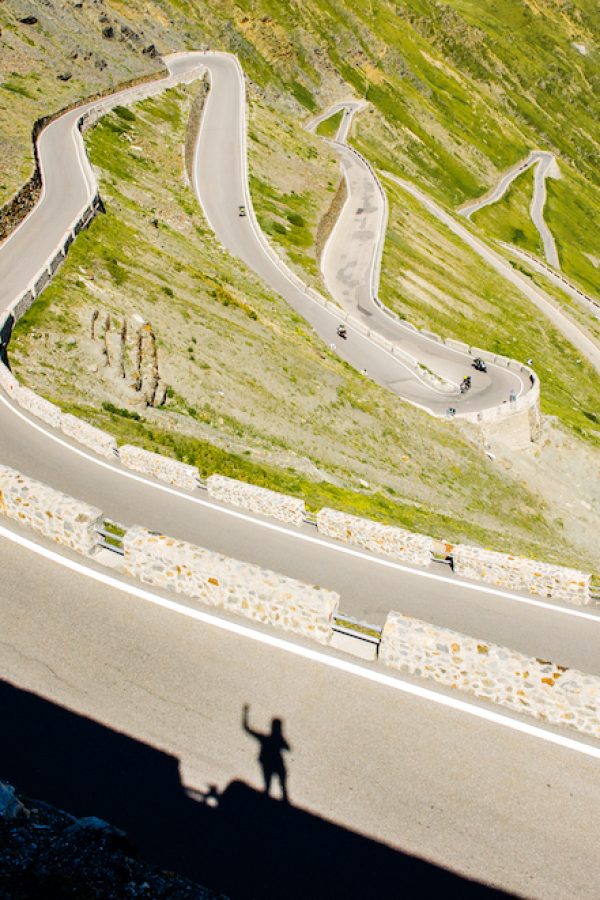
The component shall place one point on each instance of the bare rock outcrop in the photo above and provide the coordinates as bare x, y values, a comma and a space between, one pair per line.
128, 352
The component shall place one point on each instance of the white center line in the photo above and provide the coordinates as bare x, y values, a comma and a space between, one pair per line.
333, 662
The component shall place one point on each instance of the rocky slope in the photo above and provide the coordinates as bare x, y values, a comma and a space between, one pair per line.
46, 852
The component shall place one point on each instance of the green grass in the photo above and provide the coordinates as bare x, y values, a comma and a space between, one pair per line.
572, 213
472, 303
291, 189
15, 86
260, 399
328, 128
317, 495
508, 219
460, 90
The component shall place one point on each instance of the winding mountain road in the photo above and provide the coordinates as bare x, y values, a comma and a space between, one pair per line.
369, 586
545, 167
351, 262
569, 329
220, 180
421, 775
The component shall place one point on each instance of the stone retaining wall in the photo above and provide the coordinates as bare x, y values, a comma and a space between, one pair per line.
375, 537
291, 510
457, 345
39, 407
52, 513
520, 574
8, 380
238, 587
104, 444
161, 467
541, 689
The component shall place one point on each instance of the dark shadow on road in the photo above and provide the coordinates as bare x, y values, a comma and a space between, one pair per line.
272, 747
240, 841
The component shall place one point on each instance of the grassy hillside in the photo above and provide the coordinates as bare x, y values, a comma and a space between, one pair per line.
329, 126
430, 277
293, 178
243, 400
573, 214
458, 92
509, 220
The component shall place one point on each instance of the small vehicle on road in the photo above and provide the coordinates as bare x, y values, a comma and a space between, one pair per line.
341, 331
479, 364
241, 210
465, 384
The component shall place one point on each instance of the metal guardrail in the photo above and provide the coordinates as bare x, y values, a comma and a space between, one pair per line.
356, 628
111, 537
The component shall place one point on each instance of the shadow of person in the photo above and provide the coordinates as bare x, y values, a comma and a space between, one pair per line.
272, 747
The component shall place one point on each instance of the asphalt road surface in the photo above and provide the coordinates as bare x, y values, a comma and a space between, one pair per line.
350, 264
569, 329
142, 713
543, 162
220, 180
370, 765
369, 585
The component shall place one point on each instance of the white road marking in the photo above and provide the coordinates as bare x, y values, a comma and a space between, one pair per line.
317, 656
311, 539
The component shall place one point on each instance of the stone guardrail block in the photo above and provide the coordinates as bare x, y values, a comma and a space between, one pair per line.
41, 282
404, 356
39, 407
8, 381
259, 500
239, 587
432, 335
541, 689
520, 574
161, 467
24, 302
52, 513
381, 341
505, 410
56, 262
102, 443
457, 345
375, 537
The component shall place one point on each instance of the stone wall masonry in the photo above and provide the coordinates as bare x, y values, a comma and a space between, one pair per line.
8, 381
238, 587
161, 467
52, 513
530, 400
520, 574
39, 407
41, 282
102, 443
287, 509
538, 688
375, 537
457, 345
24, 303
